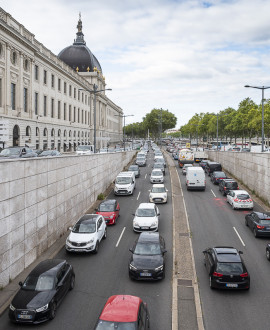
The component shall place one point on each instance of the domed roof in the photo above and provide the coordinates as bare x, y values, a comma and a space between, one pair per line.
78, 56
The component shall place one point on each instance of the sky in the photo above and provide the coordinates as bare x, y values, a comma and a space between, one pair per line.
185, 56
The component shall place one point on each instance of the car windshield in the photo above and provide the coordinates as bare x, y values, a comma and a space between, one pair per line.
220, 175
38, 283
228, 268
158, 165
147, 249
110, 325
123, 180
106, 208
188, 165
243, 196
84, 228
158, 190
265, 221
156, 173
145, 213
231, 185
11, 151
84, 148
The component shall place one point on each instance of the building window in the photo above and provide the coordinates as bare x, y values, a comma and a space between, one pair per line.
45, 77
45, 106
52, 108
36, 103
59, 110
52, 80
78, 95
59, 85
36, 72
74, 93
74, 114
65, 111
69, 113
13, 96
82, 117
70, 90
65, 87
14, 58
78, 115
25, 99
26, 64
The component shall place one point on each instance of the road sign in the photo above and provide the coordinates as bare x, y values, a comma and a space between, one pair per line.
187, 145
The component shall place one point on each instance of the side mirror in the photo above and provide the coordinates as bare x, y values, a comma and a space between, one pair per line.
158, 213
164, 251
131, 250
133, 213
167, 190
240, 252
60, 284
20, 284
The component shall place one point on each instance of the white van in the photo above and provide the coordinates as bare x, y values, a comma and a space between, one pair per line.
125, 183
85, 149
195, 178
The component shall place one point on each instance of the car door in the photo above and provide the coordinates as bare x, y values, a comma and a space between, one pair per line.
253, 219
117, 210
61, 287
229, 197
209, 262
100, 230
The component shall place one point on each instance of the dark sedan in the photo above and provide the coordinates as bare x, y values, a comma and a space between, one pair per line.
147, 261
42, 291
259, 223
217, 176
135, 168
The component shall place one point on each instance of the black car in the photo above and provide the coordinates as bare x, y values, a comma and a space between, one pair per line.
203, 163
17, 152
135, 169
42, 291
217, 176
226, 268
211, 167
267, 252
226, 185
160, 166
259, 223
147, 261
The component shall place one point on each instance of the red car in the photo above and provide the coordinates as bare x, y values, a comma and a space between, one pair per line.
110, 210
124, 312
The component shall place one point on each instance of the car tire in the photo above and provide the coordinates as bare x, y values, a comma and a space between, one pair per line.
72, 283
255, 233
267, 254
95, 251
233, 207
105, 234
52, 311
246, 222
210, 283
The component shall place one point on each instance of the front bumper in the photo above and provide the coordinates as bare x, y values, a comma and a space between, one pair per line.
28, 316
85, 248
141, 229
146, 275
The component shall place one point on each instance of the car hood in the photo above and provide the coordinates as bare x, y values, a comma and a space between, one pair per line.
158, 195
81, 238
145, 220
25, 299
156, 176
146, 262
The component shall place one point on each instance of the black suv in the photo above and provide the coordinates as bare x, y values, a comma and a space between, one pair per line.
226, 268
226, 185
211, 167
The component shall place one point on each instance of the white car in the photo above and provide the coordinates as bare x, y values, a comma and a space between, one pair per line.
158, 194
184, 169
156, 176
85, 150
87, 234
240, 199
146, 218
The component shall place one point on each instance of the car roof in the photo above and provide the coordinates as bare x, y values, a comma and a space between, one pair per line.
148, 237
227, 254
146, 206
158, 185
88, 218
48, 266
125, 173
157, 170
239, 192
108, 201
121, 308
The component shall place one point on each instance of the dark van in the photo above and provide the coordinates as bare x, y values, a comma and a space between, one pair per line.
226, 185
212, 167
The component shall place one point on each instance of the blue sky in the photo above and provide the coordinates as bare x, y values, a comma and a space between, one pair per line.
185, 56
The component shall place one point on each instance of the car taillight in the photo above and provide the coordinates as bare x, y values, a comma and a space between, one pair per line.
236, 200
238, 188
260, 227
217, 274
244, 275
225, 188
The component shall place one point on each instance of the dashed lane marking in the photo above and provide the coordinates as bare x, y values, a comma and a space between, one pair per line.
120, 237
239, 236
138, 195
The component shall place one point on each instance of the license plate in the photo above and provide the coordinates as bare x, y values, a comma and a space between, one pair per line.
145, 274
231, 285
25, 317
144, 227
158, 199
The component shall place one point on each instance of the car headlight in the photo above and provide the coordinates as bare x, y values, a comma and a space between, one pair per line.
68, 241
159, 268
11, 307
165, 196
154, 224
43, 308
91, 241
132, 267
135, 223
111, 216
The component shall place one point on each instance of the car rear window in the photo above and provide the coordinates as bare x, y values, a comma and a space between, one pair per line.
265, 221
231, 185
228, 268
243, 197
220, 175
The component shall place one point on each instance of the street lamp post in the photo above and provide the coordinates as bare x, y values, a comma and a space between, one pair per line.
94, 91
262, 89
124, 116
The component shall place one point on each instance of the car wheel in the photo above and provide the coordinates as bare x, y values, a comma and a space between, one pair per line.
105, 233
246, 222
267, 254
96, 248
210, 282
52, 311
233, 207
255, 233
72, 283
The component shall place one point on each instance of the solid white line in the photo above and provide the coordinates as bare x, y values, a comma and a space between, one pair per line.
213, 193
138, 195
120, 237
239, 236
145, 175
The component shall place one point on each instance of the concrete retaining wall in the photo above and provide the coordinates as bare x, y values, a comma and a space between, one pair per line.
40, 198
253, 169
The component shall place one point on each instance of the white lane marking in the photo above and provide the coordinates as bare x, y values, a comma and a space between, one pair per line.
145, 175
213, 193
120, 237
138, 195
239, 236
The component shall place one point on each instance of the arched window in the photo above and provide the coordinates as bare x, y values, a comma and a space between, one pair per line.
70, 134
45, 132
65, 133
28, 131
59, 132
37, 131
74, 134
52, 132
78, 134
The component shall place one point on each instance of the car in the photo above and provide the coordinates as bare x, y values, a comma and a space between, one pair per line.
184, 168
146, 218
245, 150
158, 194
147, 261
109, 209
124, 312
235, 149
141, 160
240, 199
85, 150
159, 166
87, 234
17, 152
226, 268
211, 167
49, 153
135, 168
103, 151
42, 291
225, 185
217, 176
259, 223
267, 251
160, 160
203, 163
156, 176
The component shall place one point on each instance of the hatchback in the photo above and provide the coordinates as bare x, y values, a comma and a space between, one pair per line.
156, 176
225, 268
259, 223
159, 166
226, 185
135, 169
158, 194
147, 261
87, 234
239, 199
42, 291
146, 218
124, 312
109, 209
217, 176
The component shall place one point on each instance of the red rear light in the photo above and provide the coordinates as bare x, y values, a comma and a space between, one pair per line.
217, 274
238, 188
225, 188
260, 227
244, 275
236, 200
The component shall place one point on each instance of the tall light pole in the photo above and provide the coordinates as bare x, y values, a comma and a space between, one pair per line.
94, 91
262, 89
124, 116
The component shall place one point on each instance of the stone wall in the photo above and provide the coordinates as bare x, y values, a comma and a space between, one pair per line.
40, 198
253, 169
